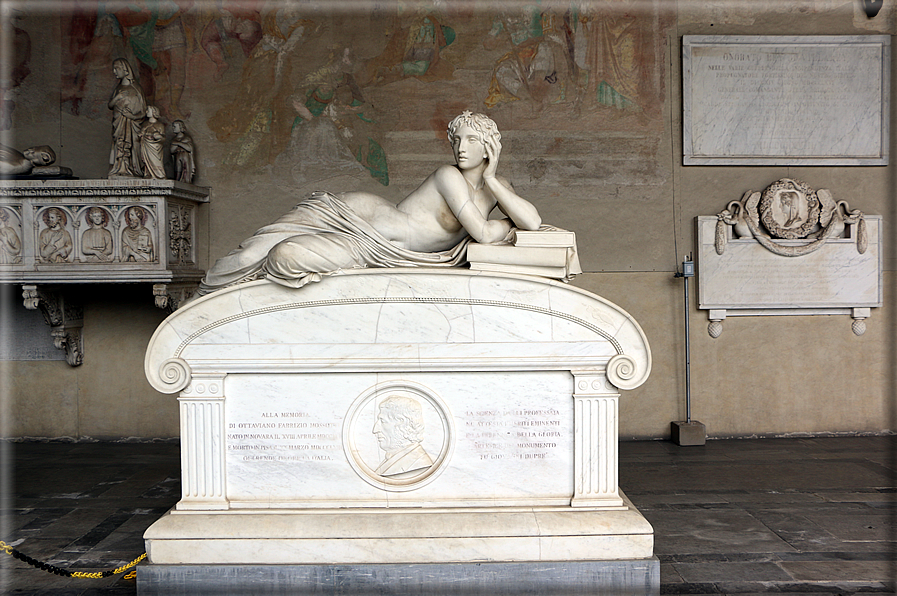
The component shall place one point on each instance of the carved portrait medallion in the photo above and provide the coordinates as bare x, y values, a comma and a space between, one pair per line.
789, 209
398, 435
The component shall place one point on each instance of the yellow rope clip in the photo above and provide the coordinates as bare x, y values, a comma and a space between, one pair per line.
98, 575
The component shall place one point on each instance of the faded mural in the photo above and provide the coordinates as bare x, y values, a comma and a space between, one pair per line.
307, 92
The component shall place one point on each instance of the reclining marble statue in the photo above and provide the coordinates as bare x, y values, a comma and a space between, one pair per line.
430, 227
406, 425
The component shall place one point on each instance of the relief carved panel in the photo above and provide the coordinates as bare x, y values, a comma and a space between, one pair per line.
398, 436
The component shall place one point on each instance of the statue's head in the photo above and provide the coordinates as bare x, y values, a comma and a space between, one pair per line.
42, 155
400, 423
135, 216
481, 123
97, 216
122, 69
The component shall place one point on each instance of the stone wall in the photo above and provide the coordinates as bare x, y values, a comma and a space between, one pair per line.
283, 98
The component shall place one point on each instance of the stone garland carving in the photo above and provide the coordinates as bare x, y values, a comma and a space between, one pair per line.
180, 234
789, 210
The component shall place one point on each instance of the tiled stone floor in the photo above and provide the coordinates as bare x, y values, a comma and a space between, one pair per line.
795, 516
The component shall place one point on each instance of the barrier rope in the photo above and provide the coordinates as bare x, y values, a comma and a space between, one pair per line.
65, 572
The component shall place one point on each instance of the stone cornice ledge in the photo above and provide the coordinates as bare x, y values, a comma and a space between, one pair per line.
399, 319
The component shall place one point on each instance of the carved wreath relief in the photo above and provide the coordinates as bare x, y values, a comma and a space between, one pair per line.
789, 210
398, 436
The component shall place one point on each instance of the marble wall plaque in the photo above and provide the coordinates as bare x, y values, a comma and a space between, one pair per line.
748, 276
785, 100
317, 435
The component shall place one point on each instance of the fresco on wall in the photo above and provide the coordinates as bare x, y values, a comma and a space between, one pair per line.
294, 90
18, 68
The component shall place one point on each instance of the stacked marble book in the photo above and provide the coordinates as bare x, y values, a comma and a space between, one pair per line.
547, 252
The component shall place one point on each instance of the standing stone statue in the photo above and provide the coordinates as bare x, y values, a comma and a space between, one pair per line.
152, 136
182, 153
128, 107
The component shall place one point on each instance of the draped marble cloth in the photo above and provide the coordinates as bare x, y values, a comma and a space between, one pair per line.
321, 235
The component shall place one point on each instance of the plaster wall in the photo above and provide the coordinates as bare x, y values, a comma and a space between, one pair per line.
609, 171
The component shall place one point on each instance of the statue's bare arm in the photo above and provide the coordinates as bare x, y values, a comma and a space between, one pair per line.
522, 212
472, 216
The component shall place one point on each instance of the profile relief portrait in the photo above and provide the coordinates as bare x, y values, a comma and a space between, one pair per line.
399, 430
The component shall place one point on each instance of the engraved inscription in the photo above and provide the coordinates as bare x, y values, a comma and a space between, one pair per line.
519, 433
788, 99
283, 436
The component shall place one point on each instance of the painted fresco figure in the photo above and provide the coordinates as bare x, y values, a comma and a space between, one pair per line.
128, 107
152, 137
399, 430
182, 153
55, 241
96, 242
136, 239
10, 243
430, 227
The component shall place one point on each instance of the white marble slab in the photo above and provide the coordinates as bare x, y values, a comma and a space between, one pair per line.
399, 536
507, 439
516, 379
785, 100
399, 416
748, 276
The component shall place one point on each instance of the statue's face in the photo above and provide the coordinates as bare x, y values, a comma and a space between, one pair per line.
96, 216
118, 70
133, 219
385, 429
38, 155
468, 147
53, 218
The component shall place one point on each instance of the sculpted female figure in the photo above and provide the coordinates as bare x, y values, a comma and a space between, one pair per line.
430, 227
152, 135
128, 111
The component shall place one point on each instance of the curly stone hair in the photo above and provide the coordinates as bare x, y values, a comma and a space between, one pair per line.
481, 123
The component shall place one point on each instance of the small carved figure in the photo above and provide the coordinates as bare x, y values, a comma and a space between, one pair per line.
96, 243
399, 430
136, 239
13, 162
182, 153
789, 205
152, 136
10, 244
55, 241
128, 107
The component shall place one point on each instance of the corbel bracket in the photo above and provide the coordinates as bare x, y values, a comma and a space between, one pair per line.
64, 316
